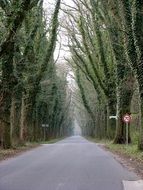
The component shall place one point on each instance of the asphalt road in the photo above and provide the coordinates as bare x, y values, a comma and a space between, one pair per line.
71, 164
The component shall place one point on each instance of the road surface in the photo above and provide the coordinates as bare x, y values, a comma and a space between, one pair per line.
71, 164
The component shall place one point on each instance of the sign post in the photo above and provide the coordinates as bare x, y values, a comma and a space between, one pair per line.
127, 119
45, 126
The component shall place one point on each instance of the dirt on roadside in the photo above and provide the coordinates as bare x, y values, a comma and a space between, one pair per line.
9, 153
131, 164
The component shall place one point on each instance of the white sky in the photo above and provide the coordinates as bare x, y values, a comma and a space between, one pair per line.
61, 50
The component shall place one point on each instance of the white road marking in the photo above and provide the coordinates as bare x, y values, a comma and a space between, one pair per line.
133, 185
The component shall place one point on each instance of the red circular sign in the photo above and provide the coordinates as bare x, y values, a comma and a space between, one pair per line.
127, 118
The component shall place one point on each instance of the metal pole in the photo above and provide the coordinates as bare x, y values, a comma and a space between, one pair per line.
127, 131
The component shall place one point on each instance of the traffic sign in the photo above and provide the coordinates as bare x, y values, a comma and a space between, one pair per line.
127, 118
113, 117
45, 125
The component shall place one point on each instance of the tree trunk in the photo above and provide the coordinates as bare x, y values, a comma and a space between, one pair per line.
1, 134
8, 82
124, 103
140, 144
23, 121
6, 135
111, 123
13, 122
5, 119
133, 45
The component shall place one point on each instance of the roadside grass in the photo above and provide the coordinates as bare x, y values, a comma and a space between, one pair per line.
8, 153
128, 155
52, 141
130, 151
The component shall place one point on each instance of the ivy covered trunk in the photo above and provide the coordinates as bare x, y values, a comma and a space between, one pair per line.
138, 38
13, 122
133, 23
8, 83
14, 20
120, 137
141, 113
124, 104
140, 145
5, 116
111, 123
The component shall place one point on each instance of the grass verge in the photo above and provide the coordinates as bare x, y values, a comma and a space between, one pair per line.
128, 155
52, 141
131, 151
8, 153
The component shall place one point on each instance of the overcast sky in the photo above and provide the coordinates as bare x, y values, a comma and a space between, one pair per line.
49, 6
63, 52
